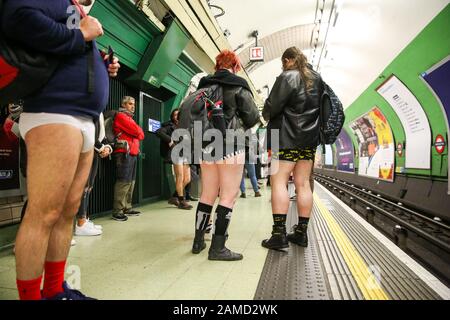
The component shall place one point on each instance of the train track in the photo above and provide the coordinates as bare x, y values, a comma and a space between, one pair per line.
425, 238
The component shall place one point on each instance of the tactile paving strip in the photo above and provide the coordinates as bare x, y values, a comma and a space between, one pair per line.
295, 274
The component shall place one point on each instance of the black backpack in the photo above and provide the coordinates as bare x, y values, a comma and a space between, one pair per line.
332, 116
114, 141
205, 106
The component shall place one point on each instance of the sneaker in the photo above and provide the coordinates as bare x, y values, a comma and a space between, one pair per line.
132, 213
99, 227
257, 194
69, 294
73, 242
119, 217
87, 229
174, 201
184, 205
243, 195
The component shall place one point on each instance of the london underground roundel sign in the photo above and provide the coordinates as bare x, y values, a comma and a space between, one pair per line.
439, 144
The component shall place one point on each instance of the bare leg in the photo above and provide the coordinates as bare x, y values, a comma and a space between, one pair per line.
59, 242
52, 165
186, 175
210, 183
230, 176
302, 175
178, 169
278, 182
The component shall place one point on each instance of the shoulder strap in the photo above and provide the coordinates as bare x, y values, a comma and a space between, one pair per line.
90, 57
80, 8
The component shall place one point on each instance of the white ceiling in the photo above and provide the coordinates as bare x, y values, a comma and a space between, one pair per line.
367, 36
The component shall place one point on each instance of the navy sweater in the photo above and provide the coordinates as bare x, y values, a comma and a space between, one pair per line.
41, 25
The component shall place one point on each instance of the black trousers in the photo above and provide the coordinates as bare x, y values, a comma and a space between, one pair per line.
82, 210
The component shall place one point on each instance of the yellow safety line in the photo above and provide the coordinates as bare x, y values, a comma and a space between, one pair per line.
365, 279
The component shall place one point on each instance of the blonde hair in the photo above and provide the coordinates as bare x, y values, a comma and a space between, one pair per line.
127, 99
301, 63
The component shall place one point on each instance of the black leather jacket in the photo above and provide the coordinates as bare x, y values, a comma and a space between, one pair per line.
293, 111
239, 107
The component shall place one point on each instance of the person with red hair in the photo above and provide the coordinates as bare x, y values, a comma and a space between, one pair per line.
222, 173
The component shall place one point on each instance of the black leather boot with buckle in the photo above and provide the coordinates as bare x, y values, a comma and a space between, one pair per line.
278, 240
300, 235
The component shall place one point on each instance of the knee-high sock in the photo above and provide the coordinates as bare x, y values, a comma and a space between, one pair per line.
202, 216
223, 216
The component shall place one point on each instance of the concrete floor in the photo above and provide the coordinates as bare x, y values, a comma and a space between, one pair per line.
148, 257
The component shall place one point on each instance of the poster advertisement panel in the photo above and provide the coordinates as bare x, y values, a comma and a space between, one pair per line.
376, 145
414, 122
438, 80
9, 157
345, 154
328, 156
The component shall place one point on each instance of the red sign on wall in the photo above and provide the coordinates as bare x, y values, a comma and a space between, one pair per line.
439, 144
257, 54
400, 149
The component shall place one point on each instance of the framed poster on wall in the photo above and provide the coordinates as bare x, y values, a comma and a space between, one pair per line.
376, 145
10, 176
414, 122
345, 153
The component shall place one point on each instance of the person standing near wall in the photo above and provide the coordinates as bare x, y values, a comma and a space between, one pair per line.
84, 226
182, 170
125, 128
57, 169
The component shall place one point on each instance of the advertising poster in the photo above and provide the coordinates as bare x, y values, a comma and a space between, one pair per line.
438, 80
9, 156
328, 156
345, 154
376, 145
414, 121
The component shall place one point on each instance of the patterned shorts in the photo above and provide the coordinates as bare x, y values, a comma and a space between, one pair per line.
295, 155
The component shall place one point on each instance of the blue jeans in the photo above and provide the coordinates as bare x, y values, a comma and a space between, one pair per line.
250, 168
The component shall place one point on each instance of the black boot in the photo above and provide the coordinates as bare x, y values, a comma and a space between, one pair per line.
278, 240
199, 241
218, 251
300, 235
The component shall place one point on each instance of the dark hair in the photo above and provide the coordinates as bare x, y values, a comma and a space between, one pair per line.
301, 63
228, 60
173, 113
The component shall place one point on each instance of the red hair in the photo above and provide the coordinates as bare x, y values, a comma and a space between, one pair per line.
228, 60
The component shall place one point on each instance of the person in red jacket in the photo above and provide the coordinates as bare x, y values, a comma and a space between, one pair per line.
125, 128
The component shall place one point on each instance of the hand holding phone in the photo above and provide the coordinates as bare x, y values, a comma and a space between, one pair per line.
112, 63
110, 55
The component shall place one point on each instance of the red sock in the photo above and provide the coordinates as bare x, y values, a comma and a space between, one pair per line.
53, 278
29, 289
